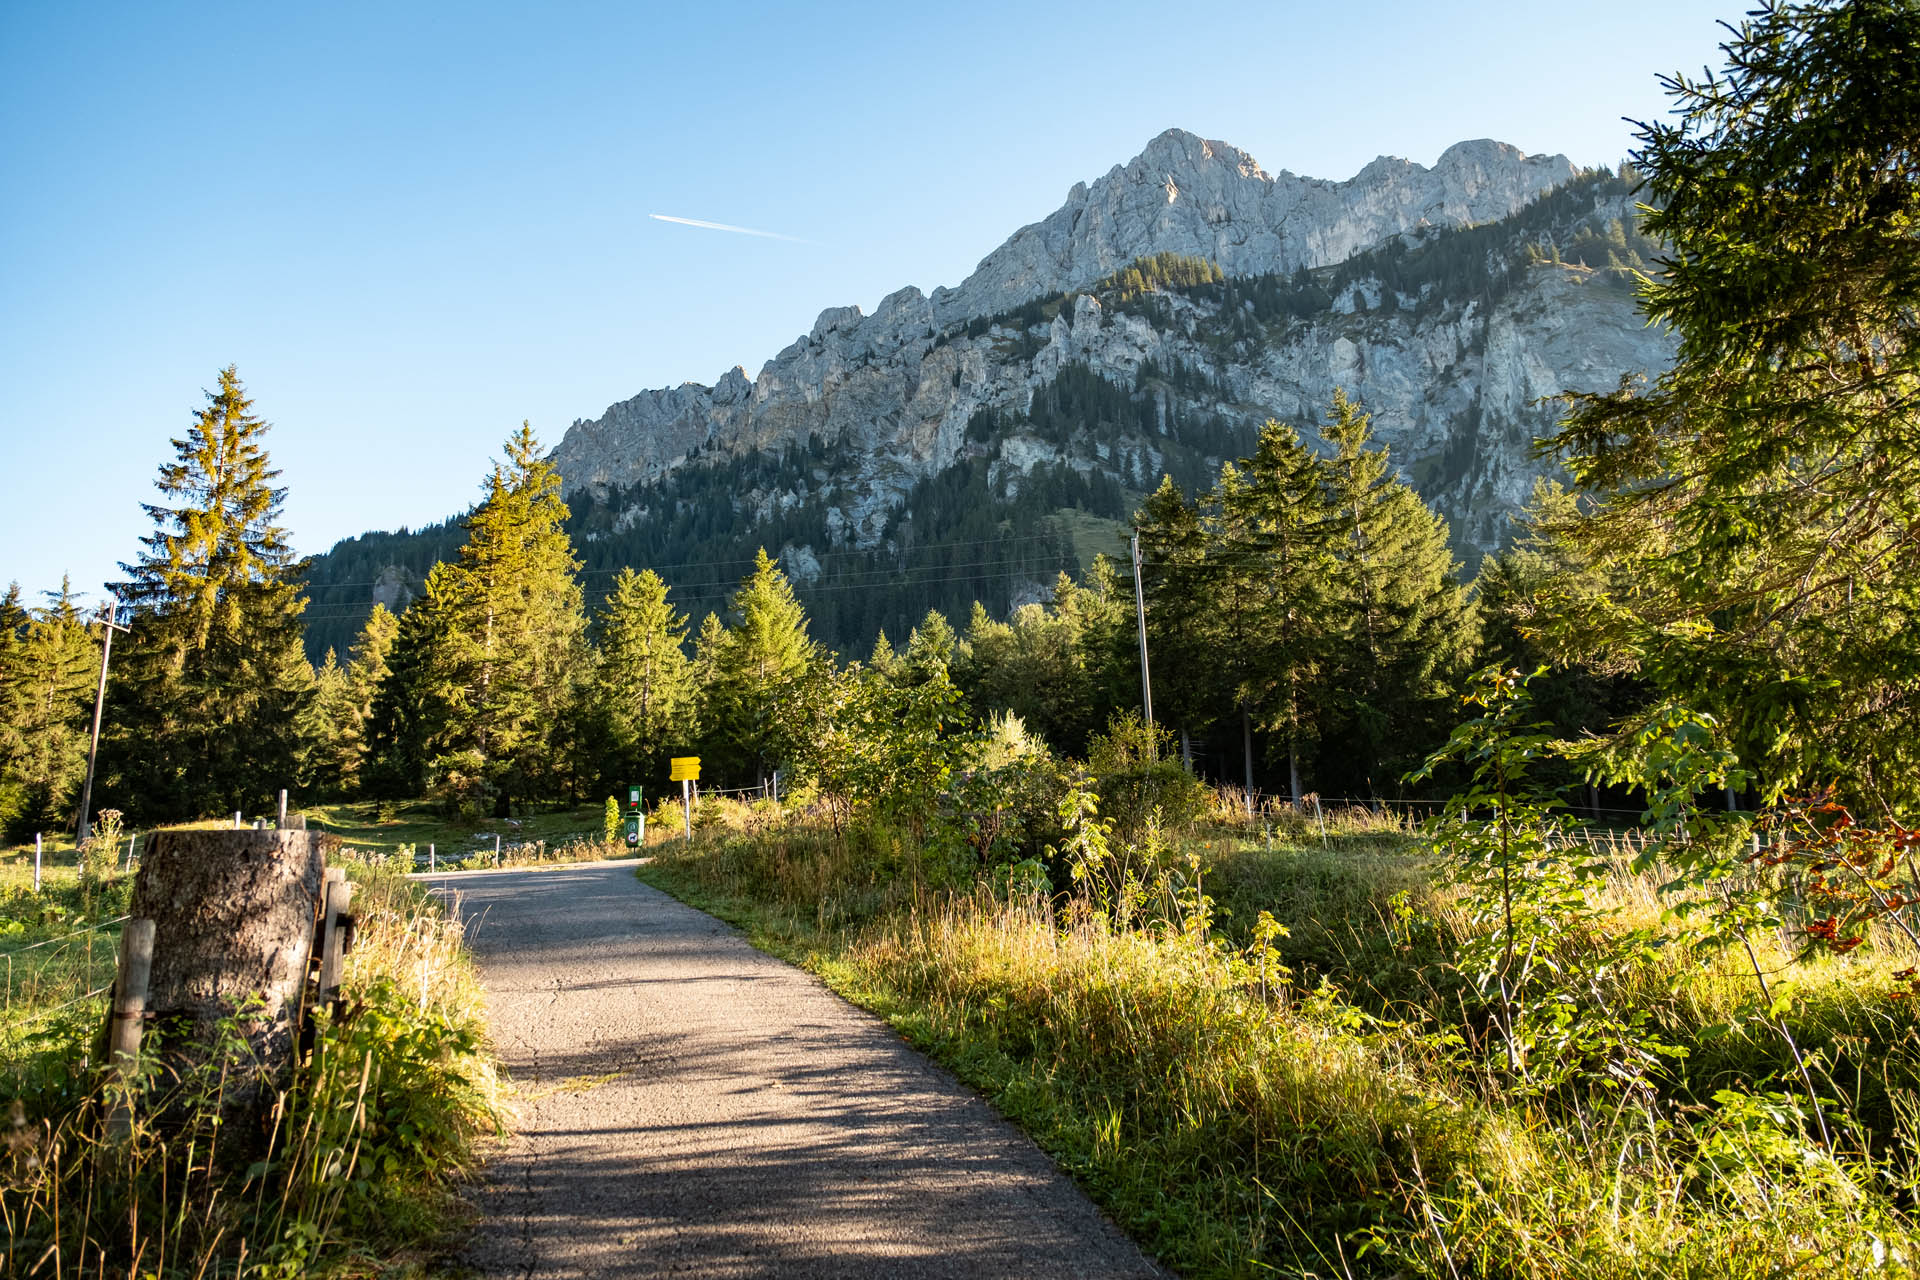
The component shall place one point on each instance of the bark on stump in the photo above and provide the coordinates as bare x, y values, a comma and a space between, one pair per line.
233, 915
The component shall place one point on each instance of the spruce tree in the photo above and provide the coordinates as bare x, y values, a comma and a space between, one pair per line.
1763, 494
368, 664
1285, 517
49, 661
1406, 628
1516, 590
930, 649
491, 669
325, 723
643, 690
342, 713
764, 654
13, 696
207, 689
1235, 604
411, 713
883, 661
1174, 578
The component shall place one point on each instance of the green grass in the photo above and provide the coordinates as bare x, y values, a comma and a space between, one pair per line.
1239, 1130
384, 827
1092, 536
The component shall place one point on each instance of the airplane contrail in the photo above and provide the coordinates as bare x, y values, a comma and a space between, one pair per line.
722, 226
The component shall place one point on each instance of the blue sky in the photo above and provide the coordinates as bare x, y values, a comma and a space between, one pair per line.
412, 226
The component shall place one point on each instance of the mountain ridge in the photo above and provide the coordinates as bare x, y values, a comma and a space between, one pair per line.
1182, 194
1036, 428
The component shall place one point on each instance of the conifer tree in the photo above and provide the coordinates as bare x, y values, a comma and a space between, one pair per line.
411, 712
1407, 631
213, 677
13, 695
1763, 494
643, 690
1516, 591
491, 668
883, 661
930, 649
341, 718
708, 641
1174, 578
48, 663
368, 664
1283, 512
1235, 603
763, 655
326, 757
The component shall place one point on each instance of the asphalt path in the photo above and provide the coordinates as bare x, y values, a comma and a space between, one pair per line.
689, 1106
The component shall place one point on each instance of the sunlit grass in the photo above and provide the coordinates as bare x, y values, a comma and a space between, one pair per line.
1329, 1127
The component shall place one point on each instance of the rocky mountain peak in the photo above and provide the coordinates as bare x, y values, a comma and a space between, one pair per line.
1195, 196
1181, 155
899, 387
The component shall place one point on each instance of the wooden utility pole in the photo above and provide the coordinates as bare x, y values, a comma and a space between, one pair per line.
1140, 615
99, 705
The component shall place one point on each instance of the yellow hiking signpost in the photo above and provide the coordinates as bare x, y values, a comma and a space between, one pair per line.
685, 770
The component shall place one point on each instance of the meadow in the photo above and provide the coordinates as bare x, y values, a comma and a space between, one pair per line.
1260, 1047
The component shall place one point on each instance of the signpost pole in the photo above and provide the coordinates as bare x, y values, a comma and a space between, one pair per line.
686, 771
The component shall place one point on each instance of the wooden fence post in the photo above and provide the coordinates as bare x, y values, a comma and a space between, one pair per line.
123, 1028
338, 894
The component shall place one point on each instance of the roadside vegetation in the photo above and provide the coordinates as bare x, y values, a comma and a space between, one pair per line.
400, 835
366, 1142
1269, 1050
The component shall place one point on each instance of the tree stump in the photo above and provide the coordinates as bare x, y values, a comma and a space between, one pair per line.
234, 915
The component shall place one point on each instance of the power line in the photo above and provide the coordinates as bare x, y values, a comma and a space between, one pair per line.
725, 591
664, 569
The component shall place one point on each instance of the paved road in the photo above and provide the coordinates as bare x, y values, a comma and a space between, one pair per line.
691, 1107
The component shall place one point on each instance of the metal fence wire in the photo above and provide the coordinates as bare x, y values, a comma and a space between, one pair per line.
48, 967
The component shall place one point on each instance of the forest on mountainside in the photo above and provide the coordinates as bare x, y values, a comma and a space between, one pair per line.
700, 524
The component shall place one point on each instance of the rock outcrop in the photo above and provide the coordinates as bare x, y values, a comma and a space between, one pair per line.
1456, 385
876, 383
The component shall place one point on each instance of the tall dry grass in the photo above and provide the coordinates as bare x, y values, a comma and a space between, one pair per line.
1319, 1103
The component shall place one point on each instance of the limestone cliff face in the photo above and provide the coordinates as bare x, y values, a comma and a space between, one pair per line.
1454, 384
1205, 199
